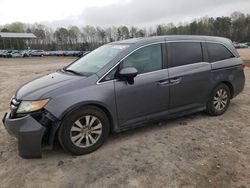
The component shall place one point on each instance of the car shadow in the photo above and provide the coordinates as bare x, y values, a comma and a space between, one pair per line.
154, 126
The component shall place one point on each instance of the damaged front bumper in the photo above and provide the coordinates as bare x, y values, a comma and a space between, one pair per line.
29, 133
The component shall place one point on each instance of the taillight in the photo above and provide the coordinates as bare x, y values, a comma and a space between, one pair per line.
242, 66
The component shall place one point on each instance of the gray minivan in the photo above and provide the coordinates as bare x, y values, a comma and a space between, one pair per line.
122, 85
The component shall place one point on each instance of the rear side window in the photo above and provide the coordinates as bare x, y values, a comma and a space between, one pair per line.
218, 52
184, 53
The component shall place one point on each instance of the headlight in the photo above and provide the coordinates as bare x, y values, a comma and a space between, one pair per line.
30, 106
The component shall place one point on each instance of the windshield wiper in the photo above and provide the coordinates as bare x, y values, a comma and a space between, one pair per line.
72, 71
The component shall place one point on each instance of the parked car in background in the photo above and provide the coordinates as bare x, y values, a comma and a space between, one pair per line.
25, 53
50, 53
71, 53
76, 53
83, 53
122, 85
12, 53
16, 53
59, 53
37, 53
243, 45
240, 45
55, 53
236, 45
7, 53
2, 53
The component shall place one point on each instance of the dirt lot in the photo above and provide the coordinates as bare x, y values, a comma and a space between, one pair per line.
193, 151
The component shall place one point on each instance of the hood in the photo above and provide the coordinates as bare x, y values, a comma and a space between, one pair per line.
38, 87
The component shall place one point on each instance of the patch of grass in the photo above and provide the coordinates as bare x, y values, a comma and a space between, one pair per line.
247, 62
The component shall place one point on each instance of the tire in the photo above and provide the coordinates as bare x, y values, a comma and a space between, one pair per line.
219, 100
77, 125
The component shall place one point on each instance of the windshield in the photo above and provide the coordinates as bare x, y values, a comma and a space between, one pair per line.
97, 59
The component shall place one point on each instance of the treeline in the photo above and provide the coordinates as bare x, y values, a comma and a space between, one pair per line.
236, 27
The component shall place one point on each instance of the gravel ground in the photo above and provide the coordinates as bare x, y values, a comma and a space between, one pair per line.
192, 151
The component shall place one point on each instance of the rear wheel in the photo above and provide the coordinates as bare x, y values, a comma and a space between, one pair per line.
219, 100
83, 130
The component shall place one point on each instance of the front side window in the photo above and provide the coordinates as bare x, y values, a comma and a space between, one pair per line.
146, 59
97, 59
184, 53
218, 52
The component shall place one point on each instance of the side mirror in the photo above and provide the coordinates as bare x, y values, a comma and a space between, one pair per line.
128, 74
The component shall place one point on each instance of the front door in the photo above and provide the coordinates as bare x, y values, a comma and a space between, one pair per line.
149, 95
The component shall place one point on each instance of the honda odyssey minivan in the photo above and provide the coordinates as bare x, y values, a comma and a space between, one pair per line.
123, 85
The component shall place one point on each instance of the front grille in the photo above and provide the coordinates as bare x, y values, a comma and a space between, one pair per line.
14, 103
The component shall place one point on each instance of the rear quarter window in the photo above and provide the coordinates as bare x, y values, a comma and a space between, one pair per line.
218, 52
184, 53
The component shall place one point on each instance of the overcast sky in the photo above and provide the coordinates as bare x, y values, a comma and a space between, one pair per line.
115, 12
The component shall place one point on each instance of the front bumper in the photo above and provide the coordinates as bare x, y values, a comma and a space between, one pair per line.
29, 134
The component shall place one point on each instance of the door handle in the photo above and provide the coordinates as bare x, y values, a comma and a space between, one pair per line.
162, 83
175, 80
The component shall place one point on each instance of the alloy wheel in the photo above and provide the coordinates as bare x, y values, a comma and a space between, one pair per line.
220, 99
86, 131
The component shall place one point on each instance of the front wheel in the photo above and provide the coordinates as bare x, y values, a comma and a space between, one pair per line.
84, 130
219, 100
